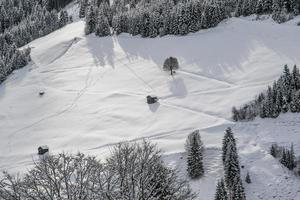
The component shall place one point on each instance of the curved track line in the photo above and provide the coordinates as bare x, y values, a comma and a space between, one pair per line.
193, 74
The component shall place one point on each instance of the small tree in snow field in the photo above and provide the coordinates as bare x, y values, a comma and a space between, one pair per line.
248, 179
171, 64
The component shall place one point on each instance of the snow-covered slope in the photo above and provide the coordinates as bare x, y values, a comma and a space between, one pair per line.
95, 91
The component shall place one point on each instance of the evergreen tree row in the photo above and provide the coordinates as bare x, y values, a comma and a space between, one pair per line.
152, 18
155, 18
281, 10
39, 22
10, 57
281, 97
12, 12
286, 156
231, 187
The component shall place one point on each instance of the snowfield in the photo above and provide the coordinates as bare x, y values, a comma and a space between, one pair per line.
96, 88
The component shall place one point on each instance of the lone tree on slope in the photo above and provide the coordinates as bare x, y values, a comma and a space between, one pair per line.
171, 64
248, 179
194, 148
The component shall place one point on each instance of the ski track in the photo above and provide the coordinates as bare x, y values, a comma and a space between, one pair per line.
68, 108
129, 57
193, 74
72, 42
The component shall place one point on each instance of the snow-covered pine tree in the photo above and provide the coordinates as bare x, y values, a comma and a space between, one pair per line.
287, 78
239, 191
284, 159
221, 193
90, 25
194, 150
83, 6
295, 78
102, 25
295, 103
227, 138
274, 150
231, 168
291, 159
116, 24
63, 18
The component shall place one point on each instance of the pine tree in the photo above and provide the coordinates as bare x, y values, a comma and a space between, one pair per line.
63, 19
232, 177
284, 158
248, 179
235, 114
287, 83
295, 103
291, 162
231, 167
221, 193
102, 25
194, 149
239, 191
295, 78
228, 137
90, 25
273, 150
83, 6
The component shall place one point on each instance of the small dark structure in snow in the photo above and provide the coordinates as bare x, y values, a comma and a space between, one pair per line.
41, 93
43, 149
151, 100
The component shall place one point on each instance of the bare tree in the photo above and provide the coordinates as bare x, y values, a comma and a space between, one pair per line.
171, 64
55, 177
139, 173
133, 171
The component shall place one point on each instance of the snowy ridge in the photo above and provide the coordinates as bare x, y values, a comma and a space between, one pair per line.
95, 91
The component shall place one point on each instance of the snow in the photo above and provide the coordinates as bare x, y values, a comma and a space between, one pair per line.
96, 88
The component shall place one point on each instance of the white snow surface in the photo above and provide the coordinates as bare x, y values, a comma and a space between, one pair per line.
96, 88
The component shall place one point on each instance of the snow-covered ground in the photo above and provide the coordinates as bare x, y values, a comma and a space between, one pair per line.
95, 91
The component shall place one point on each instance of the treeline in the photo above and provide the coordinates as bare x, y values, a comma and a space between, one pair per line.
57, 4
286, 156
22, 22
39, 23
152, 18
281, 97
281, 10
132, 171
10, 57
12, 12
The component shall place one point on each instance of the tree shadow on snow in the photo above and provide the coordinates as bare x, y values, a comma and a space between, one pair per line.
178, 88
154, 107
102, 50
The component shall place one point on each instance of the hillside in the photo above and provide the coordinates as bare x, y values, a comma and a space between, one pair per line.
95, 91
